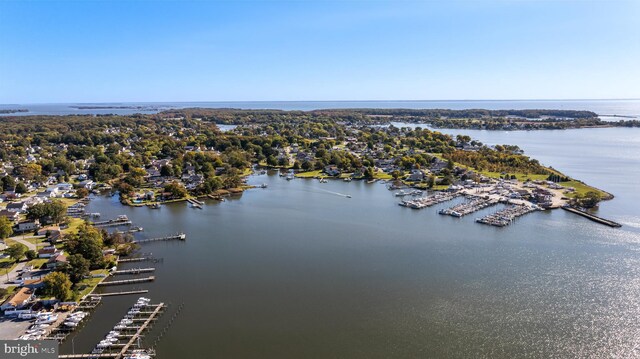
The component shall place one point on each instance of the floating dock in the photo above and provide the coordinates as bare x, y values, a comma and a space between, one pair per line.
592, 217
128, 281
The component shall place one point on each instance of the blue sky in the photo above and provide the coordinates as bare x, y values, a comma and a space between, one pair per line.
101, 51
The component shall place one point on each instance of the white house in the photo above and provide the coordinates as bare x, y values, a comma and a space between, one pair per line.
26, 226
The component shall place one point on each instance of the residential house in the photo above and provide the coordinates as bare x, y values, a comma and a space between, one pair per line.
48, 252
332, 170
88, 184
56, 261
416, 176
10, 215
20, 207
26, 226
19, 300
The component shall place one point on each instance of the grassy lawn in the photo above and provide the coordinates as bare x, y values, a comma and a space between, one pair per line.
10, 290
310, 174
74, 223
581, 188
87, 285
38, 262
69, 201
6, 266
381, 175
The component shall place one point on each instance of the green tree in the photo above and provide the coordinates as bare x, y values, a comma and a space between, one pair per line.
8, 183
31, 254
21, 188
176, 189
77, 268
88, 243
82, 192
53, 211
15, 251
58, 285
431, 181
6, 228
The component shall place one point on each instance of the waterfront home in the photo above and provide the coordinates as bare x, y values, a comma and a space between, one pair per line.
332, 170
19, 300
415, 176
12, 216
88, 184
66, 187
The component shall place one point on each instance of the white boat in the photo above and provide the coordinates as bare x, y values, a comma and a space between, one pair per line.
120, 326
36, 331
264, 185
47, 319
103, 344
126, 321
70, 324
289, 176
138, 354
401, 193
40, 326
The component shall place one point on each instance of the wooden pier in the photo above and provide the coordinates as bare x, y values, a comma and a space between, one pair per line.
141, 291
180, 236
113, 223
592, 217
127, 281
131, 260
133, 271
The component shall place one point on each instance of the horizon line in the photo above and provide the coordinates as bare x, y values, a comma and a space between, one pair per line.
302, 101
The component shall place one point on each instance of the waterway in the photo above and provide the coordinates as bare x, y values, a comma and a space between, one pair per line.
299, 270
606, 108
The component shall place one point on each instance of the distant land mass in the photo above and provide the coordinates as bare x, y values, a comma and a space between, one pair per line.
12, 110
482, 119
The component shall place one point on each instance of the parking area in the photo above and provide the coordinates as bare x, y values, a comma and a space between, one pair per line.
11, 328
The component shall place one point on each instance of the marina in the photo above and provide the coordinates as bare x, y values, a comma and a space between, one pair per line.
123, 341
506, 216
474, 205
429, 201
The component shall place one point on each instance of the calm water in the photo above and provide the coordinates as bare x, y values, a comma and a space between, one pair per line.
601, 107
297, 270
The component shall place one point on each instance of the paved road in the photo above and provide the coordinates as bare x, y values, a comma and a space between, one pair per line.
29, 243
4, 278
